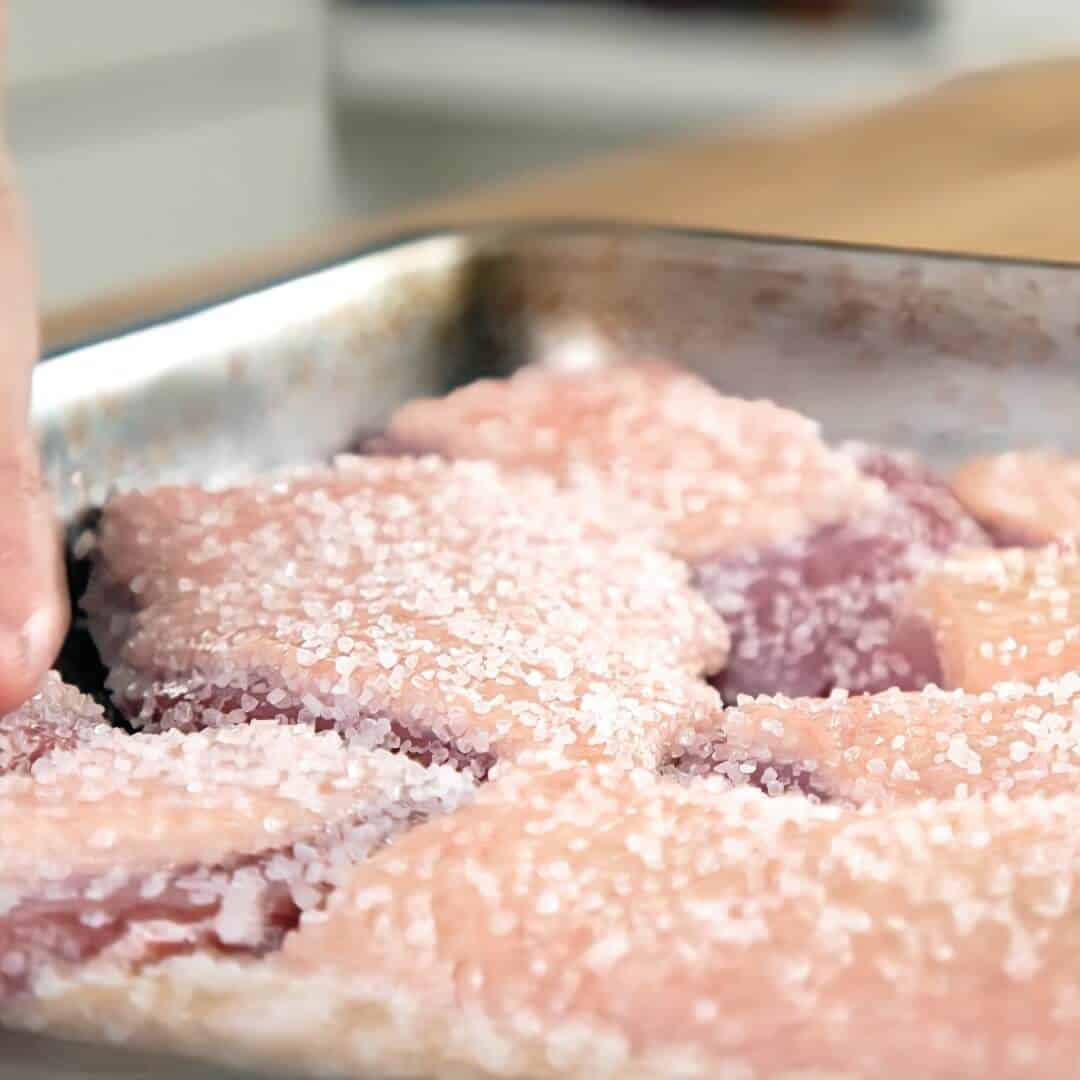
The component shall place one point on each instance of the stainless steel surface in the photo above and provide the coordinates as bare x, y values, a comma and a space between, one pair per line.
950, 356
35, 1057
285, 375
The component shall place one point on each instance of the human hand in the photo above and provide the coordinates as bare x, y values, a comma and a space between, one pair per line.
33, 601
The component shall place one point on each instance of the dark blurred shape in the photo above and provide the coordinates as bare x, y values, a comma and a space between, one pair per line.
910, 12
801, 8
810, 10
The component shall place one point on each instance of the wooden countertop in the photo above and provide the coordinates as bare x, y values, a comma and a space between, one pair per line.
989, 164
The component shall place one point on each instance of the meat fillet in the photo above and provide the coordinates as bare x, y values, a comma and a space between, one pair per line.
594, 923
819, 612
139, 846
899, 747
719, 474
993, 616
806, 551
1024, 498
446, 609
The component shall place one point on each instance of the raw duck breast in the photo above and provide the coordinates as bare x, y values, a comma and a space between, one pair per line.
819, 612
597, 924
991, 616
806, 551
899, 746
717, 474
134, 847
1024, 498
447, 609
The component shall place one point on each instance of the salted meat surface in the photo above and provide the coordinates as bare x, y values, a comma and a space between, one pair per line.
602, 924
447, 609
819, 611
806, 551
895, 746
145, 845
720, 474
1024, 498
57, 717
993, 616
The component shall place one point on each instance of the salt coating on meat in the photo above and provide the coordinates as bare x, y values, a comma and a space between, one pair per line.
1001, 616
893, 747
58, 716
451, 610
721, 473
807, 552
598, 923
836, 880
1026, 497
137, 846
819, 611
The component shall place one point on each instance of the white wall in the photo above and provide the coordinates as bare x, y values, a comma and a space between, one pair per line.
157, 135
154, 136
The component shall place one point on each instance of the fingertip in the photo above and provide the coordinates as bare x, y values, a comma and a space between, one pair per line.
28, 649
34, 606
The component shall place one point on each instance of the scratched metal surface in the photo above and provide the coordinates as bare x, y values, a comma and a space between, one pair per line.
949, 356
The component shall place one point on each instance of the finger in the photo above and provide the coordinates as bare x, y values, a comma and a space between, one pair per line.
33, 601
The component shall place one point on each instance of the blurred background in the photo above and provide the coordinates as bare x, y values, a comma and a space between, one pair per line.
155, 137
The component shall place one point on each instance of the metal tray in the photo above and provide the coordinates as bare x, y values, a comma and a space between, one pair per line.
950, 356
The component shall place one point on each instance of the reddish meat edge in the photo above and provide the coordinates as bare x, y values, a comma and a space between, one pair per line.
153, 914
716, 758
223, 705
820, 612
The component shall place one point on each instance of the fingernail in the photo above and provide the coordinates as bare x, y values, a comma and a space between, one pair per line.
37, 639
27, 649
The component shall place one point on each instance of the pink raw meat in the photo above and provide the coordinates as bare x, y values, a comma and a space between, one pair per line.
806, 551
597, 923
1024, 498
446, 609
996, 616
718, 474
58, 716
819, 611
147, 845
899, 747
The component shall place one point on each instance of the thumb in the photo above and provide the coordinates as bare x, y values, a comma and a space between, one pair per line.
33, 600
